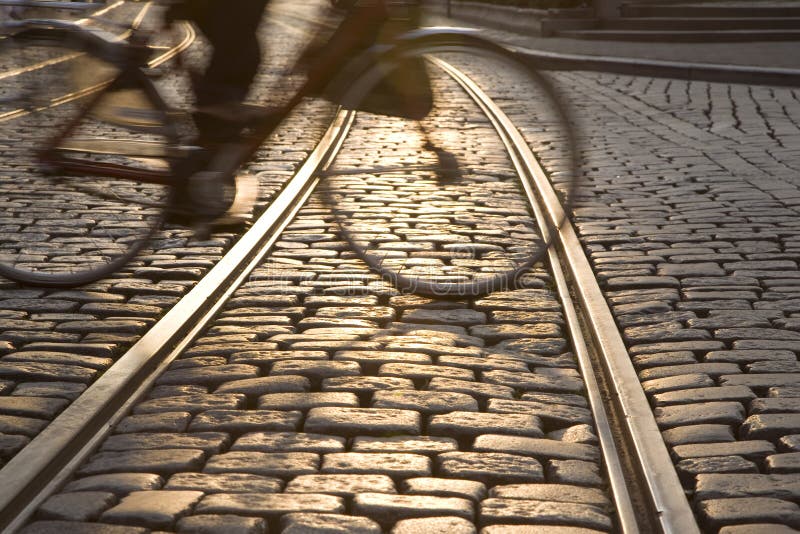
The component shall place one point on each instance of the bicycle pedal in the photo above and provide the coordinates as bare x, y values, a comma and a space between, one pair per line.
241, 209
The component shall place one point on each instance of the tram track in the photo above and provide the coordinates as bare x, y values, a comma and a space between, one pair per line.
45, 463
39, 468
42, 64
657, 489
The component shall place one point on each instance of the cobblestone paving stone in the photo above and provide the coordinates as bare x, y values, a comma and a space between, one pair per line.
691, 225
55, 343
370, 411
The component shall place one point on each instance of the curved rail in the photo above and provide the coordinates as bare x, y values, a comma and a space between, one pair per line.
427, 39
189, 37
53, 61
48, 459
529, 172
642, 441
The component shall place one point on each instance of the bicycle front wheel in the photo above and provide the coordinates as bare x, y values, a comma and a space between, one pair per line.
442, 206
58, 100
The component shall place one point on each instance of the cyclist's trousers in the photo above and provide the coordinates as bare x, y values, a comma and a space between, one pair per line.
231, 28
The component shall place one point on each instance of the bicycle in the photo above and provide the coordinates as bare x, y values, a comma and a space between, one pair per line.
97, 181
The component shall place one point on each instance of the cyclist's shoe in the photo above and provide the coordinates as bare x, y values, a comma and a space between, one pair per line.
240, 211
204, 195
200, 194
238, 214
182, 209
210, 201
220, 123
211, 193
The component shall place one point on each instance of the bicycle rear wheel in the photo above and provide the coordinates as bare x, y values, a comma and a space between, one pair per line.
420, 225
63, 227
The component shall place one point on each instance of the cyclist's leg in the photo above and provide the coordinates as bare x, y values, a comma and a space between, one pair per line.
236, 56
232, 31
357, 30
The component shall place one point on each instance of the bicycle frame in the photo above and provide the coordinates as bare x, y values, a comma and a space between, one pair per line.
132, 58
53, 156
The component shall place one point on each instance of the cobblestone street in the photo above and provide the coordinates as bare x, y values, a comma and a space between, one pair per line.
691, 226
320, 399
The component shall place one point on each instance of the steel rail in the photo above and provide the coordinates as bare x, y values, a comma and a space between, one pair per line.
42, 466
39, 65
189, 37
131, 376
665, 498
665, 495
526, 166
106, 9
50, 458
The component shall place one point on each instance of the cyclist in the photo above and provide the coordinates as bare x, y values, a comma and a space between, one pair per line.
231, 28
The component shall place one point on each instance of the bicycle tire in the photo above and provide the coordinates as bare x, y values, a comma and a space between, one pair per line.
454, 263
66, 229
